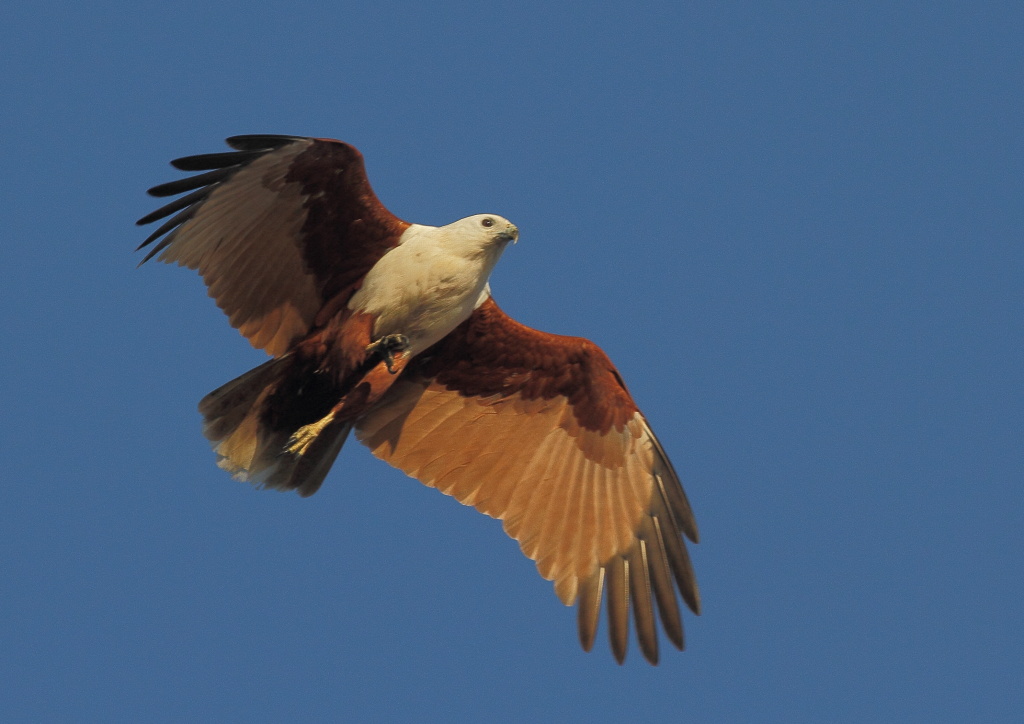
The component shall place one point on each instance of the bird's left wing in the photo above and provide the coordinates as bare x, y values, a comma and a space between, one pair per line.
539, 431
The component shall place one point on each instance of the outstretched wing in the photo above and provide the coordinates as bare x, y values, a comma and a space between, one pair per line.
539, 431
281, 230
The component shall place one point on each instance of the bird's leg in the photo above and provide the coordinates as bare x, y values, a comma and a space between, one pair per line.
302, 438
386, 346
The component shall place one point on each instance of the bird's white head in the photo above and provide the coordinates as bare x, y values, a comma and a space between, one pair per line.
489, 233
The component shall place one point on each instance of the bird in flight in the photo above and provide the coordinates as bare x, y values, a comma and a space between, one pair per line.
388, 329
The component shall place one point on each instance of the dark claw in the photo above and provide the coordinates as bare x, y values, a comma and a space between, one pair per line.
386, 346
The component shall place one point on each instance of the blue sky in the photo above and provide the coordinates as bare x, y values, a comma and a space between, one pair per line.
795, 227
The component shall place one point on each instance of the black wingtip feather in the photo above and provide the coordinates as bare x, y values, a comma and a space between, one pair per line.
207, 161
170, 208
217, 167
169, 226
173, 188
261, 142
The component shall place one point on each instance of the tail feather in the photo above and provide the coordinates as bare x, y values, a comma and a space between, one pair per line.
225, 408
305, 471
271, 428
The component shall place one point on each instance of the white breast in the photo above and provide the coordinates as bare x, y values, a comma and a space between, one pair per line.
426, 286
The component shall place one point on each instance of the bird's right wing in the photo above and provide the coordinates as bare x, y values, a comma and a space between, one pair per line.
281, 230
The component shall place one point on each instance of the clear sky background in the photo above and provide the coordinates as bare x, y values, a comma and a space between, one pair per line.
796, 227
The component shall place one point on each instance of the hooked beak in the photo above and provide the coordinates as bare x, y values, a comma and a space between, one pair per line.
510, 234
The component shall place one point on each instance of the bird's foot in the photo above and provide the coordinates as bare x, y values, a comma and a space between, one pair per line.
302, 438
386, 347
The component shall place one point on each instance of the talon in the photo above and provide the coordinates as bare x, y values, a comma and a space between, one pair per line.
302, 438
386, 346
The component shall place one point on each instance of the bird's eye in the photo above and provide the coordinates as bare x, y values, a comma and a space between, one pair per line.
488, 222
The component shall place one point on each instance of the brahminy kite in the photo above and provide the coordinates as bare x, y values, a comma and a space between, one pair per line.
389, 328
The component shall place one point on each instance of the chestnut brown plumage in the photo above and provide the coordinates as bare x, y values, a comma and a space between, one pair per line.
388, 328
